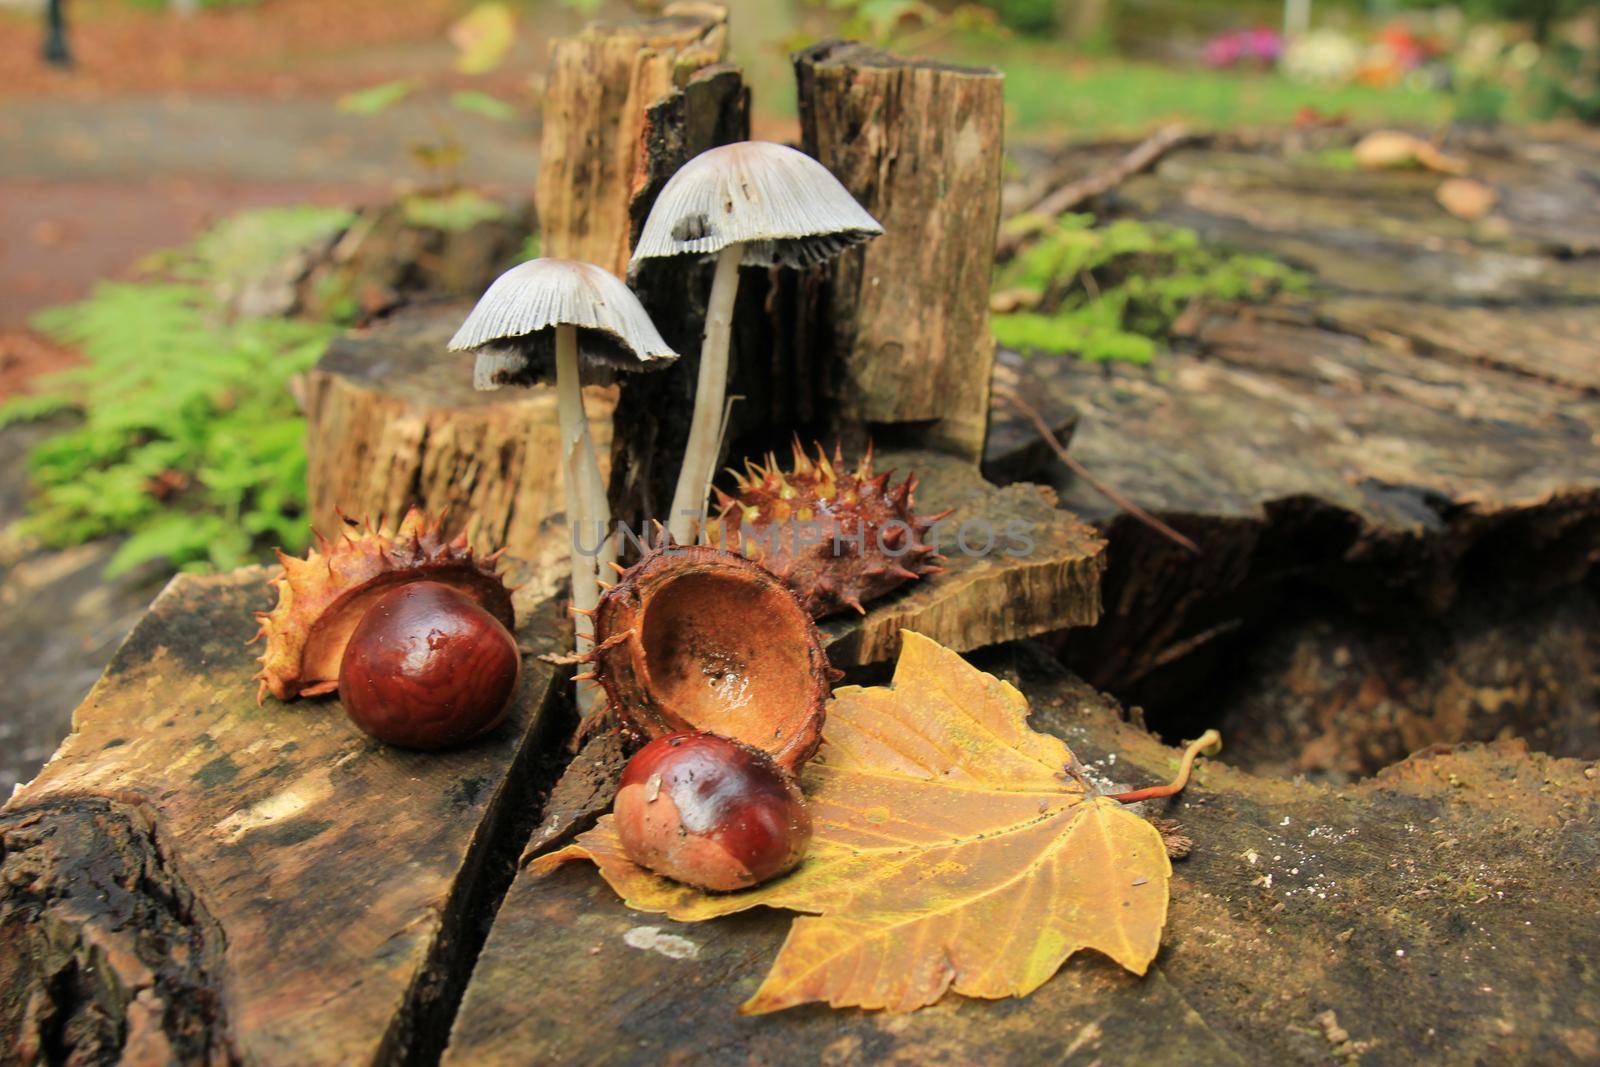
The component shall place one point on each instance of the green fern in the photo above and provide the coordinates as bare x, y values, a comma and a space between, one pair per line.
189, 440
1112, 292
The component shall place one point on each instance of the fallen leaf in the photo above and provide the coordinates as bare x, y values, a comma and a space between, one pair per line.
951, 851
1466, 199
1392, 149
483, 36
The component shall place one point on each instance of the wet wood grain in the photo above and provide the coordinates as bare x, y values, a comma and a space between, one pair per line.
195, 878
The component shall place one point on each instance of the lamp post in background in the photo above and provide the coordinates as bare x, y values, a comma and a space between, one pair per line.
56, 52
1296, 17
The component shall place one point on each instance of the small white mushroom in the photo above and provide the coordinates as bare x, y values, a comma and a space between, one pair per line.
542, 319
751, 203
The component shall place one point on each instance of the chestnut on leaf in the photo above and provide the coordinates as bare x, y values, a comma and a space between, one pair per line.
711, 812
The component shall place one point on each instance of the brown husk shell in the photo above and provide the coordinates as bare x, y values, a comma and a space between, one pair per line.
839, 537
321, 598
695, 638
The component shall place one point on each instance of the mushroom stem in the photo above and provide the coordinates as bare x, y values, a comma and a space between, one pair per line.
705, 427
587, 511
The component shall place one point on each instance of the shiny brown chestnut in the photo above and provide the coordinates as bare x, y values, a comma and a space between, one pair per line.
427, 667
711, 812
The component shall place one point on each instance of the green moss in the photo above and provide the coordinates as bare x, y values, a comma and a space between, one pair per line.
1112, 292
454, 212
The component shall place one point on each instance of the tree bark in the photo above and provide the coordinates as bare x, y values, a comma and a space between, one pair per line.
902, 324
393, 421
655, 411
593, 155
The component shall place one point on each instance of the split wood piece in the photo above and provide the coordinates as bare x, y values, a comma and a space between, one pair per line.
584, 792
1421, 912
394, 422
193, 878
903, 323
1041, 573
593, 157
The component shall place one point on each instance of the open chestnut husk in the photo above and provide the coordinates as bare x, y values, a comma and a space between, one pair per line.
695, 639
428, 667
710, 812
322, 598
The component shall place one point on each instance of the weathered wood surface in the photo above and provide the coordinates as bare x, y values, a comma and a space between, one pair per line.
1417, 917
593, 158
194, 878
1016, 566
394, 422
901, 325
1417, 436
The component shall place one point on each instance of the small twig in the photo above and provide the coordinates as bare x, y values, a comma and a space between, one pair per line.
1029, 412
1066, 197
1208, 743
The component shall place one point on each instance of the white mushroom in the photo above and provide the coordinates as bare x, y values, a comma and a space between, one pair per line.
750, 203
539, 320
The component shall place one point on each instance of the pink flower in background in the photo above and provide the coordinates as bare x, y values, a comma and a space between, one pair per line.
1258, 46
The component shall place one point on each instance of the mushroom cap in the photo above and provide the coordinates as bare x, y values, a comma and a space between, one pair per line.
513, 324
784, 206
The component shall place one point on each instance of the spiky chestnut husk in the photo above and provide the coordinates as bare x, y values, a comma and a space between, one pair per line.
863, 537
692, 638
323, 597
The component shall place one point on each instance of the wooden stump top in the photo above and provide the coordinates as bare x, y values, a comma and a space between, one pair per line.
406, 356
243, 882
1016, 566
1413, 442
1412, 915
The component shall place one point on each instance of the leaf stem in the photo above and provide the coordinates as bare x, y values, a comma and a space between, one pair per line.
1208, 743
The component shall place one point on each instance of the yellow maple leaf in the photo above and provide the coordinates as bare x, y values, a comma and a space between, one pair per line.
951, 851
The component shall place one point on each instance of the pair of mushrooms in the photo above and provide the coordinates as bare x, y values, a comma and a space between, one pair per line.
752, 203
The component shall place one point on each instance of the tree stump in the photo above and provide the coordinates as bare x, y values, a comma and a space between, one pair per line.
901, 324
393, 421
593, 151
1415, 915
193, 878
1394, 481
